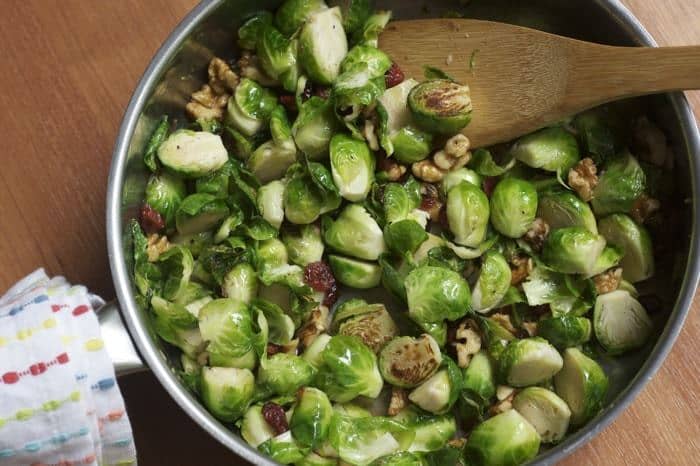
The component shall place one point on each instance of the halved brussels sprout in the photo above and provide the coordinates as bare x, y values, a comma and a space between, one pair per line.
313, 353
373, 26
304, 245
506, 439
354, 12
271, 254
404, 236
270, 160
572, 250
407, 362
377, 62
513, 206
610, 257
619, 185
411, 144
634, 240
595, 132
396, 202
357, 87
314, 127
372, 324
561, 209
455, 177
176, 264
529, 361
395, 102
432, 432
302, 201
582, 384
283, 449
249, 32
270, 203
312, 417
323, 45
547, 413
200, 212
228, 327
361, 440
349, 369
249, 108
278, 57
292, 14
254, 428
467, 214
435, 294
284, 374
227, 391
193, 153
280, 326
352, 166
565, 331
164, 193
356, 234
403, 458
479, 378
240, 283
355, 273
174, 324
621, 322
439, 393
553, 149
492, 284
440, 106
426, 246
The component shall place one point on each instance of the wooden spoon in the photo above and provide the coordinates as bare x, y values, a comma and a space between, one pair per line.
522, 79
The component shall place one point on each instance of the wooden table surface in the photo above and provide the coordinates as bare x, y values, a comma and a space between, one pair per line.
67, 71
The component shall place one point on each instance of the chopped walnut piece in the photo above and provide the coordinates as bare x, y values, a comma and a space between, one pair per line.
316, 324
504, 321
504, 391
583, 178
156, 246
454, 155
520, 268
222, 79
426, 170
530, 328
643, 208
457, 442
430, 201
393, 170
369, 135
249, 67
505, 396
608, 281
537, 233
399, 400
467, 342
209, 102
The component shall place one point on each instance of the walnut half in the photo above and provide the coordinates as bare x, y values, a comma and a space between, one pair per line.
454, 155
209, 102
583, 178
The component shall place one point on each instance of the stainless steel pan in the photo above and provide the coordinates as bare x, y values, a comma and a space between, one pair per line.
179, 68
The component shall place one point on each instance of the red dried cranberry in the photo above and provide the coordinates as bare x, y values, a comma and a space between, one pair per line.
489, 183
289, 102
319, 276
275, 416
393, 76
150, 219
331, 296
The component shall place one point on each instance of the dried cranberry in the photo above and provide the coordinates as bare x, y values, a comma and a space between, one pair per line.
393, 76
273, 349
319, 276
489, 183
275, 416
289, 102
331, 296
150, 219
322, 92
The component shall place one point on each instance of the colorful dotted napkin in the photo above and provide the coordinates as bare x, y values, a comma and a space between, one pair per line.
59, 400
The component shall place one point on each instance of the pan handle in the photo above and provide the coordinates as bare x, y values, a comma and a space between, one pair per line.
118, 342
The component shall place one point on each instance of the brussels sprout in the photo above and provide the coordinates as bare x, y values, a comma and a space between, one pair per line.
164, 193
620, 184
355, 273
191, 374
283, 449
404, 236
572, 250
249, 108
440, 106
395, 102
175, 325
596, 134
506, 439
432, 432
354, 12
513, 207
284, 374
372, 324
361, 440
352, 165
373, 26
435, 294
250, 31
280, 325
467, 214
199, 212
607, 259
356, 234
404, 458
455, 177
313, 459
396, 202
271, 203
439, 393
357, 86
553, 149
528, 362
254, 428
314, 127
312, 417
176, 264
157, 137
564, 293
227, 391
426, 246
304, 245
240, 283
407, 362
193, 153
228, 327
195, 306
565, 331
313, 353
376, 61
634, 240
278, 57
547, 413
621, 323
349, 369
582, 384
493, 282
561, 209
495, 336
479, 378
323, 45
292, 14
271, 254
302, 201
411, 144
270, 160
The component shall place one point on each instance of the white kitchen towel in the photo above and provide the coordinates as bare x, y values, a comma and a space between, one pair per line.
59, 400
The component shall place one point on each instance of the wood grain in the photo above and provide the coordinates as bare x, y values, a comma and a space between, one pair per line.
68, 70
